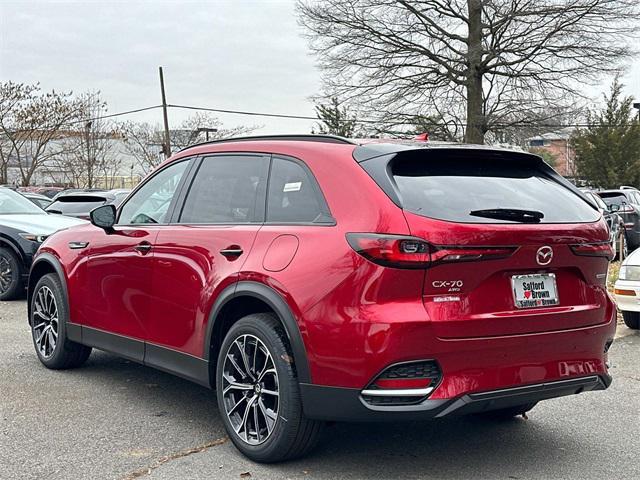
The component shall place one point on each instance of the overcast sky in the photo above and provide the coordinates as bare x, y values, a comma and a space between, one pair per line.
235, 54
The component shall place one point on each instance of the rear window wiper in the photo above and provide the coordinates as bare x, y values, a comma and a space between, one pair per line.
513, 214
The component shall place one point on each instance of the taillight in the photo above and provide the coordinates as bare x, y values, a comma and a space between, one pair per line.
626, 209
399, 251
594, 250
466, 254
391, 250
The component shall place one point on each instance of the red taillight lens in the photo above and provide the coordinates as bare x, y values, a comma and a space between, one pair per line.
396, 251
625, 209
594, 250
399, 251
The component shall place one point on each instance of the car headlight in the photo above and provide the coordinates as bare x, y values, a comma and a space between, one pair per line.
629, 272
33, 237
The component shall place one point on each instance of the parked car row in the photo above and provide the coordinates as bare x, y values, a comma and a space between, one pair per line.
23, 227
28, 218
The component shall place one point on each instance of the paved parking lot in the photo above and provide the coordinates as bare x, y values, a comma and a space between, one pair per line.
114, 419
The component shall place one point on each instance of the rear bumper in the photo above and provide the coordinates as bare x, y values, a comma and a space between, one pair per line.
346, 404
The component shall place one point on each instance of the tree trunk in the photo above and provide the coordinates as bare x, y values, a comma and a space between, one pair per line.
475, 130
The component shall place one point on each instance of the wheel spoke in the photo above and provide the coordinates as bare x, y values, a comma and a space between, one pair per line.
271, 371
255, 421
51, 341
245, 417
44, 330
233, 385
236, 366
243, 354
238, 403
270, 392
269, 416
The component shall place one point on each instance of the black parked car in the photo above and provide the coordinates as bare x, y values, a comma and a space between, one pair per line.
23, 227
614, 221
627, 200
79, 203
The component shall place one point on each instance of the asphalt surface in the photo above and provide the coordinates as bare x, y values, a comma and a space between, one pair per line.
113, 419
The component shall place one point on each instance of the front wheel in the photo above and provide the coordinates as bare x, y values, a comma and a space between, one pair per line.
10, 275
631, 319
258, 393
48, 319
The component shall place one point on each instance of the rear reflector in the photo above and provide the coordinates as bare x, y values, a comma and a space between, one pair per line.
620, 291
594, 250
399, 251
403, 383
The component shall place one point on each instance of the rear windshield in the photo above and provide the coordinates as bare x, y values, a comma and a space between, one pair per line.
76, 204
452, 190
613, 198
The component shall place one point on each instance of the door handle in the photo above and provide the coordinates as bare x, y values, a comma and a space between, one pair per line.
143, 247
232, 251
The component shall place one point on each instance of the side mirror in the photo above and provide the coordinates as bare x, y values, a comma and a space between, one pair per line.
614, 207
103, 216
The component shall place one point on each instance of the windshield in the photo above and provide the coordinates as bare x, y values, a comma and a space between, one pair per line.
12, 203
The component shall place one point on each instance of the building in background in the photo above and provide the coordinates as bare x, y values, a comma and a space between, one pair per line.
555, 148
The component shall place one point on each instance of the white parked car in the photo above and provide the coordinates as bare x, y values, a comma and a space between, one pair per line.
627, 290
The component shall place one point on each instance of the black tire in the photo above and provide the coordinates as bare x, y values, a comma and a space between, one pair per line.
292, 435
623, 252
65, 353
10, 275
631, 319
507, 413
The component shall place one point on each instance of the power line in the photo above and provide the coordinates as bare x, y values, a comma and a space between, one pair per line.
358, 121
111, 115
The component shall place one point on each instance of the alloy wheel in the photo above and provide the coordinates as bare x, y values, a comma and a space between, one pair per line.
45, 321
250, 389
6, 275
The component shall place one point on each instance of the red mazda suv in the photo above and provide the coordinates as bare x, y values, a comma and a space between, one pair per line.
312, 278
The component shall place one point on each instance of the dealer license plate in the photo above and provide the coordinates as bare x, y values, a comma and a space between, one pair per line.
531, 291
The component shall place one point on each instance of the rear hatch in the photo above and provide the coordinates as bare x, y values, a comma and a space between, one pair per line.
76, 205
515, 249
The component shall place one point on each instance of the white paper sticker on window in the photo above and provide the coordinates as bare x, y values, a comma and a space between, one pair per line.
292, 187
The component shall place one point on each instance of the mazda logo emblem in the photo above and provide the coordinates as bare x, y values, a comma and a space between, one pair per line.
544, 255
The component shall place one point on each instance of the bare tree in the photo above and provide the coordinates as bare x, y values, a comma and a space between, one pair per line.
203, 126
143, 141
486, 64
33, 121
88, 150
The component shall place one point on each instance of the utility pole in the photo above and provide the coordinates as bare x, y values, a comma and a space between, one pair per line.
167, 138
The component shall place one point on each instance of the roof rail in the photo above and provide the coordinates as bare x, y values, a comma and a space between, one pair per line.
295, 138
627, 187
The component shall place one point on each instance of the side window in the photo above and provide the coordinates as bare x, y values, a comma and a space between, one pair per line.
293, 195
150, 204
227, 189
